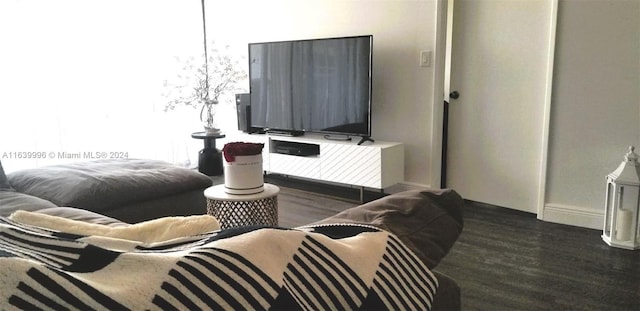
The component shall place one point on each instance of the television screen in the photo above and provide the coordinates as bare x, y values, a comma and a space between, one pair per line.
319, 85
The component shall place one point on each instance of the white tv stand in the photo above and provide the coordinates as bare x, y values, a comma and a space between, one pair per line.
372, 164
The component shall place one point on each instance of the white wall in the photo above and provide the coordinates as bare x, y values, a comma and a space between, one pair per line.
595, 107
402, 90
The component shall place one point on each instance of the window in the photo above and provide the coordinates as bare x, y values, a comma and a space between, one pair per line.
87, 77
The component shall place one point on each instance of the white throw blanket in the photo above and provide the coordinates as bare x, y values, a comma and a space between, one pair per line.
341, 267
156, 230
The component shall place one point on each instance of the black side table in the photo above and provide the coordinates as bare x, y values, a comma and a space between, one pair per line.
209, 158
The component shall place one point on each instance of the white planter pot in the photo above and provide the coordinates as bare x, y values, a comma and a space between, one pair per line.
244, 175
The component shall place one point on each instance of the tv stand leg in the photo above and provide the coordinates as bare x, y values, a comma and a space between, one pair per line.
365, 138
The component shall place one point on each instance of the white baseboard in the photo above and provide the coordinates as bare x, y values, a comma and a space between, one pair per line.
558, 213
573, 215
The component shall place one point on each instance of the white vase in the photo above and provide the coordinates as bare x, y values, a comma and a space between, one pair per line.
244, 175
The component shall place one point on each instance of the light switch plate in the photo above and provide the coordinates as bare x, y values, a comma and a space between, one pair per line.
425, 58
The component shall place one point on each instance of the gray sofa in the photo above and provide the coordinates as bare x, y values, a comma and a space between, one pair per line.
428, 222
131, 190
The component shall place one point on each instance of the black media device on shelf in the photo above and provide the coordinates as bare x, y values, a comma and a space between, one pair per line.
295, 148
315, 85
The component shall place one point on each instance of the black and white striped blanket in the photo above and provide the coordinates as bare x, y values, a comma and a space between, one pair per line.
333, 267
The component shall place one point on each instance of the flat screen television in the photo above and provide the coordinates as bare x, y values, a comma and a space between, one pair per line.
315, 85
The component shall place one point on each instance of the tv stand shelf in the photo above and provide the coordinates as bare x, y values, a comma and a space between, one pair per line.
375, 165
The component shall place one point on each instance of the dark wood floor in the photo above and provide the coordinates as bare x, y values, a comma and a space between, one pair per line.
505, 259
509, 260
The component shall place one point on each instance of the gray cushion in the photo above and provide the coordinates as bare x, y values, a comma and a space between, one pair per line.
428, 222
11, 201
105, 184
4, 183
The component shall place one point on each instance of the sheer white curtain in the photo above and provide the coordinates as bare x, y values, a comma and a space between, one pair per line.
84, 77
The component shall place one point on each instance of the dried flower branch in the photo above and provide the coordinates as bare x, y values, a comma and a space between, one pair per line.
194, 87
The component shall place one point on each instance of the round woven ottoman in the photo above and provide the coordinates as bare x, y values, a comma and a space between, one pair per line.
233, 210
